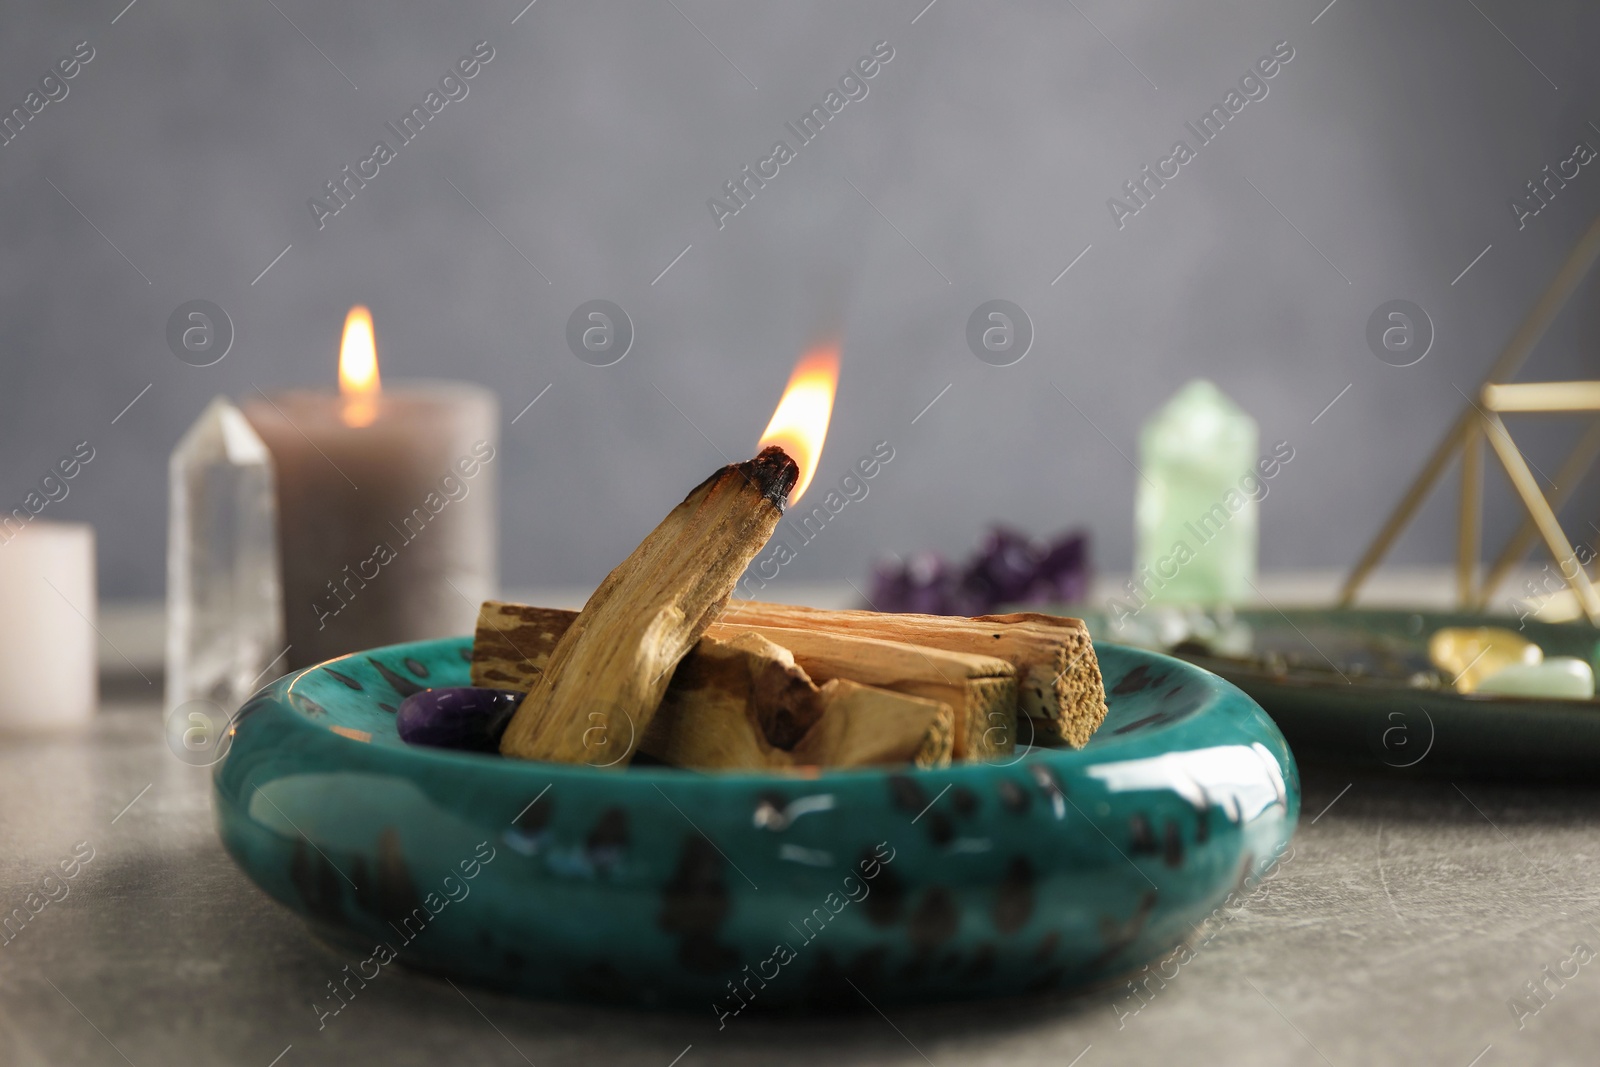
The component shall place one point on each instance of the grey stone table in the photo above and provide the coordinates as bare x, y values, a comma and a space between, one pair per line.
1404, 929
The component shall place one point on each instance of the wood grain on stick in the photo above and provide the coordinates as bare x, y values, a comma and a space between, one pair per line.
703, 720
709, 718
862, 725
610, 669
981, 690
1058, 676
726, 695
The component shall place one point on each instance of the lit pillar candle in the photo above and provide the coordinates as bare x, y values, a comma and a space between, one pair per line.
386, 505
47, 648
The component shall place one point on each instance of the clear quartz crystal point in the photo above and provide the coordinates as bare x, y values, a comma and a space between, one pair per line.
1196, 511
224, 596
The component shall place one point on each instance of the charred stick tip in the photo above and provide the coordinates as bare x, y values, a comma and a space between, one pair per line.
772, 472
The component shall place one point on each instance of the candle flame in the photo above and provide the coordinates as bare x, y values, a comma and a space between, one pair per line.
358, 369
800, 424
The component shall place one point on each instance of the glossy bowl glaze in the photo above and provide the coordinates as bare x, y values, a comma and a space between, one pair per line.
654, 886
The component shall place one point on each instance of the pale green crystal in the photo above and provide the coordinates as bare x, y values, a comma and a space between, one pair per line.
1559, 678
1196, 512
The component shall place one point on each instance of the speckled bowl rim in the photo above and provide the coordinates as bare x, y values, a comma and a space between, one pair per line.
1102, 743
1188, 730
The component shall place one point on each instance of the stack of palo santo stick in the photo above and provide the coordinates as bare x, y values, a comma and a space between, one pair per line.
660, 661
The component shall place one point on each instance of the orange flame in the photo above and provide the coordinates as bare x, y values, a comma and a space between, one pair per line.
800, 424
358, 369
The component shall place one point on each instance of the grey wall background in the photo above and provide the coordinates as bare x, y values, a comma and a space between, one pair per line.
991, 142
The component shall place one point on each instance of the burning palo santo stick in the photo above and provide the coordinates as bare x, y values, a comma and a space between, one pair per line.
611, 668
1058, 676
647, 614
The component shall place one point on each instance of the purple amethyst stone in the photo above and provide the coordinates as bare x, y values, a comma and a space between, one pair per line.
466, 718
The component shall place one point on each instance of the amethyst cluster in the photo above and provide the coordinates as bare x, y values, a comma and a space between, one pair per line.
1008, 568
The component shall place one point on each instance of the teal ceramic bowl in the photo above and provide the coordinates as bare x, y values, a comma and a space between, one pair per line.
653, 886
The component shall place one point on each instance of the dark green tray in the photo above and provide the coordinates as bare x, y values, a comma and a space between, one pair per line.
1379, 722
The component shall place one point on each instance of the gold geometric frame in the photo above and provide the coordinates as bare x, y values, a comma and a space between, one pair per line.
1480, 420
1542, 397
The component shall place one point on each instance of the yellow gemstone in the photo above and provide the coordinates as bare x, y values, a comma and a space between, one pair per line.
1468, 655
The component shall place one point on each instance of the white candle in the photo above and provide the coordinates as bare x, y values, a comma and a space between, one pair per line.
386, 506
48, 644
